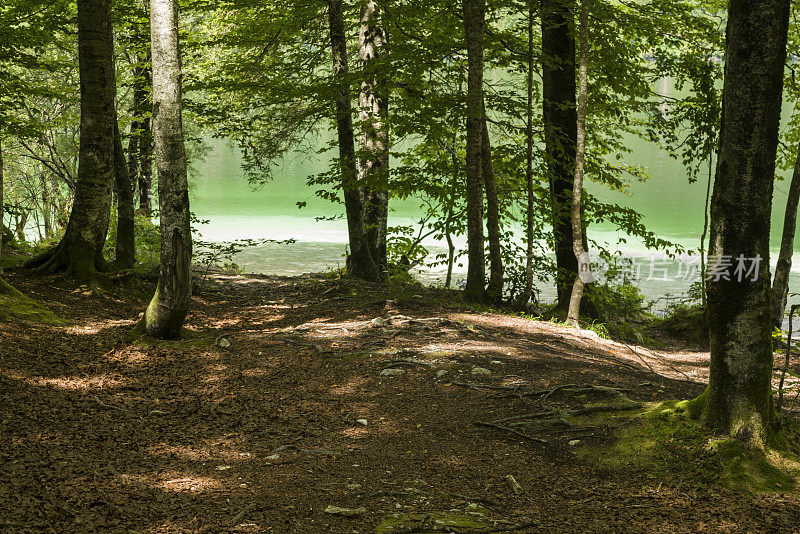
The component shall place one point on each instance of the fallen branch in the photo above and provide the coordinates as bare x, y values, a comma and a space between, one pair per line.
516, 432
109, 406
249, 508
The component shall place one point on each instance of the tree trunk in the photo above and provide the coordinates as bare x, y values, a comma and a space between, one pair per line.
80, 251
2, 204
360, 263
560, 132
577, 191
527, 293
374, 150
780, 283
494, 291
140, 146
738, 400
474, 13
167, 311
125, 250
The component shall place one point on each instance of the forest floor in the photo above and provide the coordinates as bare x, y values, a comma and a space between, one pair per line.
289, 396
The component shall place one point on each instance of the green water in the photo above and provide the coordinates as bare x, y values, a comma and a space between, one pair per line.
672, 207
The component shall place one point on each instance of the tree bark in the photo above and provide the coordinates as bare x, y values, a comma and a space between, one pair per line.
167, 311
577, 190
474, 13
374, 150
360, 263
527, 293
494, 291
560, 132
80, 251
738, 400
2, 204
140, 145
125, 249
780, 283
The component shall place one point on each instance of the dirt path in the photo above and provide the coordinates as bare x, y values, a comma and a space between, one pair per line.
293, 395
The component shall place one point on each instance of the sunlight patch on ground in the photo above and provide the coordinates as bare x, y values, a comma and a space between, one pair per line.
94, 328
199, 453
71, 383
172, 481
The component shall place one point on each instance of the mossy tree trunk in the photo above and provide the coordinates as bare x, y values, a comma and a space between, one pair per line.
167, 311
738, 401
373, 114
560, 132
125, 249
780, 282
360, 263
474, 13
80, 251
577, 188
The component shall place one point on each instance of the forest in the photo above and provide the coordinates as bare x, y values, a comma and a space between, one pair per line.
399, 266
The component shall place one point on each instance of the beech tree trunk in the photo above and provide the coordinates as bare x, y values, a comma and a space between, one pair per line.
527, 293
577, 190
738, 400
494, 291
2, 204
360, 262
474, 13
125, 249
80, 251
167, 311
560, 132
374, 150
780, 283
140, 145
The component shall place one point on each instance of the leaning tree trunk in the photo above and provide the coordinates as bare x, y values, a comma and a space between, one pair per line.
167, 311
494, 291
80, 251
780, 283
560, 132
577, 189
374, 150
738, 400
360, 262
125, 249
474, 13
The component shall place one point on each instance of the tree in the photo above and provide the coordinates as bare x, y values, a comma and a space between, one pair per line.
373, 115
474, 15
738, 400
167, 311
2, 204
360, 262
780, 282
80, 251
580, 157
494, 290
560, 133
125, 248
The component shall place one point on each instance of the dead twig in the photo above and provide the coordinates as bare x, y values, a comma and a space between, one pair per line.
247, 509
109, 406
516, 432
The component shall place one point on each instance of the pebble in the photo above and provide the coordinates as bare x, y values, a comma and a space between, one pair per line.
440, 373
362, 422
574, 442
392, 372
378, 322
346, 512
224, 343
223, 467
480, 371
